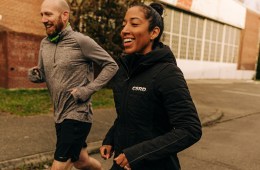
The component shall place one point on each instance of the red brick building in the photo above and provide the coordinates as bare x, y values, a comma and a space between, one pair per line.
250, 39
22, 16
222, 46
21, 31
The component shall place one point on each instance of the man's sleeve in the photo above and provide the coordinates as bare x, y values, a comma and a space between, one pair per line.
92, 51
37, 78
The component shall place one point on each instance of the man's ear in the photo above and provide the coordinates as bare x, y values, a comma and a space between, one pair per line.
65, 16
154, 33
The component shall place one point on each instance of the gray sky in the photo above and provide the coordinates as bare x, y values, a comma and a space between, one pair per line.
252, 4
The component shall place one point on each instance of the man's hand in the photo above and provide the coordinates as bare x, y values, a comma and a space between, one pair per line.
79, 94
34, 74
73, 91
35, 71
76, 94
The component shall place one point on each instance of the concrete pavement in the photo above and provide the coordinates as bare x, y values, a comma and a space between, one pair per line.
30, 140
232, 143
228, 145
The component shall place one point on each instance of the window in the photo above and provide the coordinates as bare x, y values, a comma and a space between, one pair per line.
195, 38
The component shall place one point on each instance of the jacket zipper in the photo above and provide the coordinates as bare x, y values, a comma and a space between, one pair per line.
54, 57
125, 68
125, 94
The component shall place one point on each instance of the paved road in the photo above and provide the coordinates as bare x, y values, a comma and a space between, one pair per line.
232, 98
33, 137
234, 142
230, 145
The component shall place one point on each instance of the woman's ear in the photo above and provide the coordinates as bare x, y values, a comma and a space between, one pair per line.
154, 33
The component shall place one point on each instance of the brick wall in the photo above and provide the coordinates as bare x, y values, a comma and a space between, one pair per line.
249, 42
22, 16
18, 53
3, 60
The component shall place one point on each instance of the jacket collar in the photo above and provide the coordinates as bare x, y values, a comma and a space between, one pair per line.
65, 32
61, 35
135, 63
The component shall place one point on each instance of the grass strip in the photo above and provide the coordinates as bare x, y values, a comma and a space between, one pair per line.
26, 102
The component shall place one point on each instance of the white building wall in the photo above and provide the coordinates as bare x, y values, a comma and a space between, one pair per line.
228, 11
193, 69
170, 2
207, 57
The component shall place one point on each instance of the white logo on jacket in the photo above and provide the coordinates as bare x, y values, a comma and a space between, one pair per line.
136, 88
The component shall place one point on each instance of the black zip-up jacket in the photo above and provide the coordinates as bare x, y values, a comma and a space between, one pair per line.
156, 117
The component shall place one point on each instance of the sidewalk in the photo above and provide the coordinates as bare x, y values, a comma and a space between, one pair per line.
30, 140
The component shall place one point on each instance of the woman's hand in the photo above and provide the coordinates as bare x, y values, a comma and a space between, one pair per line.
106, 151
122, 161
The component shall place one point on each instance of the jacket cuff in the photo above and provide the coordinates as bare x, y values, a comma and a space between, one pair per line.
132, 160
107, 141
82, 94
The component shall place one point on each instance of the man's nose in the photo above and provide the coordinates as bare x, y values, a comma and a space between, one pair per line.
44, 19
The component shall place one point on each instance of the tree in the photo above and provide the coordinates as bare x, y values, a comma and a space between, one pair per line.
101, 20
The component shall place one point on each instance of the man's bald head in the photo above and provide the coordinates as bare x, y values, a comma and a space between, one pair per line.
55, 16
60, 5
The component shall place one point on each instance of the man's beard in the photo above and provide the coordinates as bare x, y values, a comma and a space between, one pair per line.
57, 28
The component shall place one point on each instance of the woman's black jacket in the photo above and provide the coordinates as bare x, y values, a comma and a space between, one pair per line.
156, 117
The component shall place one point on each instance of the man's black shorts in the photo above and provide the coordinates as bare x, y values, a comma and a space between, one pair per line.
71, 137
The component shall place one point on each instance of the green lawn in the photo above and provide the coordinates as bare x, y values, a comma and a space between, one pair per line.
31, 102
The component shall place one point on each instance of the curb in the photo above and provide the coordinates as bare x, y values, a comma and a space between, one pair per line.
212, 119
93, 147
26, 160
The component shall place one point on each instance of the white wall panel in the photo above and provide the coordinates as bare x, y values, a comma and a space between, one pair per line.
230, 12
227, 11
170, 2
193, 69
